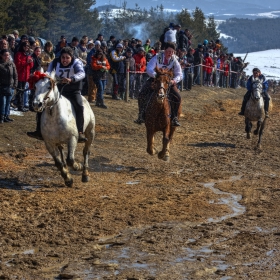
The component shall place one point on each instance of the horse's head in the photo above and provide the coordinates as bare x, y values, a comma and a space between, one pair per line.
162, 83
257, 89
44, 91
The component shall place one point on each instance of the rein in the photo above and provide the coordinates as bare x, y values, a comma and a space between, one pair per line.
47, 96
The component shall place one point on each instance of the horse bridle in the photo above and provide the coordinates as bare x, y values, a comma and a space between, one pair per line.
47, 95
162, 87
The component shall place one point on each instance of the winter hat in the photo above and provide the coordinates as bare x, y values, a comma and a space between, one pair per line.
75, 39
119, 45
97, 42
205, 42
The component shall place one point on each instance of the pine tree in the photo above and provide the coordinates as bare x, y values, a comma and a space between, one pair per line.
4, 16
28, 16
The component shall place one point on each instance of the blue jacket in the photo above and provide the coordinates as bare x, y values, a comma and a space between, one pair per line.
261, 77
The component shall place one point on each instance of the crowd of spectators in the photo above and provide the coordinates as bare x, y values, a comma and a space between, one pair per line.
105, 63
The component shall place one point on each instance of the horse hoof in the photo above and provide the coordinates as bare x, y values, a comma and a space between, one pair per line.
248, 135
166, 158
256, 132
152, 152
69, 183
161, 155
85, 178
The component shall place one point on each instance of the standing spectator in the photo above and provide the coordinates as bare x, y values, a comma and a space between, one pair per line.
12, 45
61, 44
207, 69
131, 61
100, 37
118, 71
4, 44
82, 50
184, 40
16, 34
73, 45
140, 63
36, 56
170, 35
47, 55
111, 41
133, 44
100, 67
198, 56
8, 81
90, 46
24, 64
189, 68
147, 46
23, 38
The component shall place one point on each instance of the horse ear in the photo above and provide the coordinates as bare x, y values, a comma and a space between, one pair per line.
52, 75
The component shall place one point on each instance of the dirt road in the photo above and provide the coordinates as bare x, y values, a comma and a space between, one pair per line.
212, 212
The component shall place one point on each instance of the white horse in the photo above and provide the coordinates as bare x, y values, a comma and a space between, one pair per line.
254, 110
58, 127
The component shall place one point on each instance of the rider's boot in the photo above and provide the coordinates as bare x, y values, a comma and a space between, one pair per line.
243, 106
266, 106
37, 133
175, 122
82, 138
140, 118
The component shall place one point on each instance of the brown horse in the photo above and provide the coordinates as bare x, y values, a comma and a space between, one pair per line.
158, 114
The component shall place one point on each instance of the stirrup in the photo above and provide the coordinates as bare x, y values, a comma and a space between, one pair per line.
82, 138
175, 122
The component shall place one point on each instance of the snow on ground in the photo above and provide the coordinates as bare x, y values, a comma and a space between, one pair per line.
267, 61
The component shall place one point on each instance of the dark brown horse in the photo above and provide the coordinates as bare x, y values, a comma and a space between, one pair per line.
158, 114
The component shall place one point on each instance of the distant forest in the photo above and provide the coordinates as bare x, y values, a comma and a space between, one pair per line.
50, 19
251, 35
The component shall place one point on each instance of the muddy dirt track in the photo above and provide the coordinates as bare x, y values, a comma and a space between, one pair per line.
212, 212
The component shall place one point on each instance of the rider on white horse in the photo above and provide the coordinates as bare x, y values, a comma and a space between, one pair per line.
167, 60
256, 74
71, 73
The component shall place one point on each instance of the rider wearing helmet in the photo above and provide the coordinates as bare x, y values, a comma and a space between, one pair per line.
166, 59
256, 74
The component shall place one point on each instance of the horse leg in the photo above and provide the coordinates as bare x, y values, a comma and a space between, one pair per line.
248, 127
86, 153
256, 131
59, 161
150, 143
261, 133
164, 153
71, 155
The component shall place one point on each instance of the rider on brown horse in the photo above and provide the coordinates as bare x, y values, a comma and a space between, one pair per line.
167, 60
256, 74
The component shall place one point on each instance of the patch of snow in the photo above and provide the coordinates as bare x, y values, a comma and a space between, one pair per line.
267, 61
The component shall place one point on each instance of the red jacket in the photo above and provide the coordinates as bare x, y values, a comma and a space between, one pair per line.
23, 67
208, 62
140, 62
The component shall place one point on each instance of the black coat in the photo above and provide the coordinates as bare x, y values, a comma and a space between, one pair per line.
8, 74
